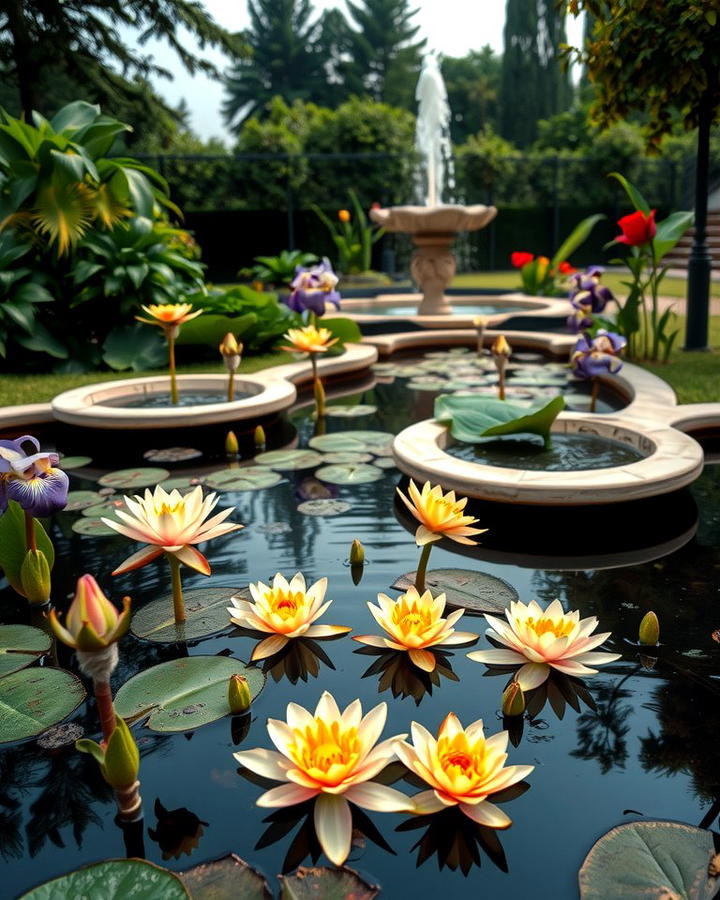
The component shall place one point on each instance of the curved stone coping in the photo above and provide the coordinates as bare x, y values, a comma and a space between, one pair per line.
690, 417
555, 344
672, 461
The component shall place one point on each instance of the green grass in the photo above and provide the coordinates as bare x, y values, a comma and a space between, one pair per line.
695, 377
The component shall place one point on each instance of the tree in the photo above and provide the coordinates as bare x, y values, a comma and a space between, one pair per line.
384, 59
663, 59
473, 86
287, 59
81, 39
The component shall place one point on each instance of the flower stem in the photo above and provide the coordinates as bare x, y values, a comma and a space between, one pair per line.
30, 532
231, 387
129, 802
501, 383
594, 394
171, 360
422, 568
106, 711
654, 294
178, 602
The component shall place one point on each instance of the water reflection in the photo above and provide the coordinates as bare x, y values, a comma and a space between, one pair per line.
297, 661
177, 831
399, 675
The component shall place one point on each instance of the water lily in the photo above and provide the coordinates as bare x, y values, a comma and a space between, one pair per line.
309, 339
415, 623
313, 288
539, 640
462, 768
285, 611
32, 480
92, 621
171, 524
170, 316
332, 756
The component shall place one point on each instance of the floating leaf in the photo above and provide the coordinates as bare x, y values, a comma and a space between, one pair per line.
74, 462
328, 507
172, 454
476, 591
184, 693
249, 478
652, 860
384, 462
346, 458
113, 878
107, 509
273, 528
34, 699
471, 418
409, 371
330, 884
78, 500
427, 384
13, 547
289, 460
229, 878
358, 474
92, 528
60, 736
351, 412
133, 479
206, 610
20, 646
183, 483
353, 441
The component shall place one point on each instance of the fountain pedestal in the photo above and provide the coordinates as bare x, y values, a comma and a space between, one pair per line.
433, 268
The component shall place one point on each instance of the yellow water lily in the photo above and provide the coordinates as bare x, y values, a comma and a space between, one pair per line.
440, 515
285, 611
462, 768
168, 315
414, 622
539, 640
310, 339
332, 756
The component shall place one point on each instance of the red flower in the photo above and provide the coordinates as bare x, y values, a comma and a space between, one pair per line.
375, 205
520, 258
637, 228
565, 268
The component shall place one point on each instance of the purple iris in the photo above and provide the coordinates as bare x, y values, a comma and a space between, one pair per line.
314, 287
587, 296
32, 480
597, 356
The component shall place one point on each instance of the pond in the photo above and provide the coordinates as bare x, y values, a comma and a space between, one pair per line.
638, 740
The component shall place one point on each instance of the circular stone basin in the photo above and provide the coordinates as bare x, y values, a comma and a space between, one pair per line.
373, 308
161, 400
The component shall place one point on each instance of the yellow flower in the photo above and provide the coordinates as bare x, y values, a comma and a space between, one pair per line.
171, 523
168, 315
440, 515
92, 622
462, 769
230, 346
414, 623
309, 339
331, 756
538, 640
500, 347
481, 321
284, 611
344, 215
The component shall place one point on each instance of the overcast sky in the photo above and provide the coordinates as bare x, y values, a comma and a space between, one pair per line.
452, 27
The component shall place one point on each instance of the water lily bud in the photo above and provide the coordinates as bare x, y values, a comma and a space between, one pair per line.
230, 350
500, 347
357, 553
259, 436
513, 700
120, 759
239, 696
649, 632
35, 577
231, 444
480, 321
92, 622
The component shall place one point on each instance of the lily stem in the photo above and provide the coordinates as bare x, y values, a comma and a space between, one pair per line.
318, 390
501, 381
173, 379
594, 394
106, 711
30, 532
231, 387
422, 568
177, 592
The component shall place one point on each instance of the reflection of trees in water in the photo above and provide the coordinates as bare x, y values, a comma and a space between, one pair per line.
602, 731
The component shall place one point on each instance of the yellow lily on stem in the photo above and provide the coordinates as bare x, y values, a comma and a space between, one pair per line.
170, 316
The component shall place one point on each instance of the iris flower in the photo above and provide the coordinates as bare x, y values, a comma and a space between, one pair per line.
332, 756
539, 640
588, 297
313, 288
597, 356
33, 480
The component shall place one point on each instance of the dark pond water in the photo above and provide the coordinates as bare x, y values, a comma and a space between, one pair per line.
649, 748
575, 451
162, 401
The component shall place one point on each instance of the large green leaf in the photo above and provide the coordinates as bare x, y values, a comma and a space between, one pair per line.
229, 878
183, 693
330, 884
113, 878
20, 646
210, 329
477, 591
74, 116
669, 232
347, 330
13, 547
32, 700
135, 347
474, 417
650, 860
634, 195
206, 610
577, 236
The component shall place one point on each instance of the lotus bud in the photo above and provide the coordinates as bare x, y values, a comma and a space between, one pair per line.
500, 347
649, 631
513, 700
357, 553
120, 759
35, 578
232, 448
231, 351
259, 436
92, 622
239, 696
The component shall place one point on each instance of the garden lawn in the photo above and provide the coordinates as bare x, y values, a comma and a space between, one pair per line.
695, 377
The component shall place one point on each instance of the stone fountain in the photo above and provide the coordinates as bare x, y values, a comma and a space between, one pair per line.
433, 227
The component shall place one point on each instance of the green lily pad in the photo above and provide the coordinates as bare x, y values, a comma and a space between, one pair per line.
471, 418
353, 441
427, 384
358, 474
107, 509
652, 860
172, 455
32, 700
13, 547
74, 462
476, 591
92, 528
249, 478
384, 462
289, 460
20, 646
229, 878
78, 500
348, 458
351, 412
183, 483
330, 884
273, 528
384, 368
409, 371
134, 479
183, 694
206, 610
113, 878
329, 507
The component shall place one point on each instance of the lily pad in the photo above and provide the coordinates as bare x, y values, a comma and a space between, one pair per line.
20, 646
249, 478
330, 884
653, 860
384, 462
134, 479
113, 878
409, 371
172, 454
273, 528
74, 462
33, 700
229, 878
183, 693
353, 441
13, 548
92, 527
471, 418
476, 591
206, 610
349, 474
107, 509
78, 500
346, 458
183, 483
329, 507
289, 460
60, 736
351, 412
427, 384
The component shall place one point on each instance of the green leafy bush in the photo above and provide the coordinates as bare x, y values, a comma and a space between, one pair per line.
278, 271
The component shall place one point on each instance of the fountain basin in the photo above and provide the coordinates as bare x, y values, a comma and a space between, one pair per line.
444, 219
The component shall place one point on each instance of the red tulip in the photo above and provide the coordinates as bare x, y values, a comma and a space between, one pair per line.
566, 268
637, 228
520, 258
